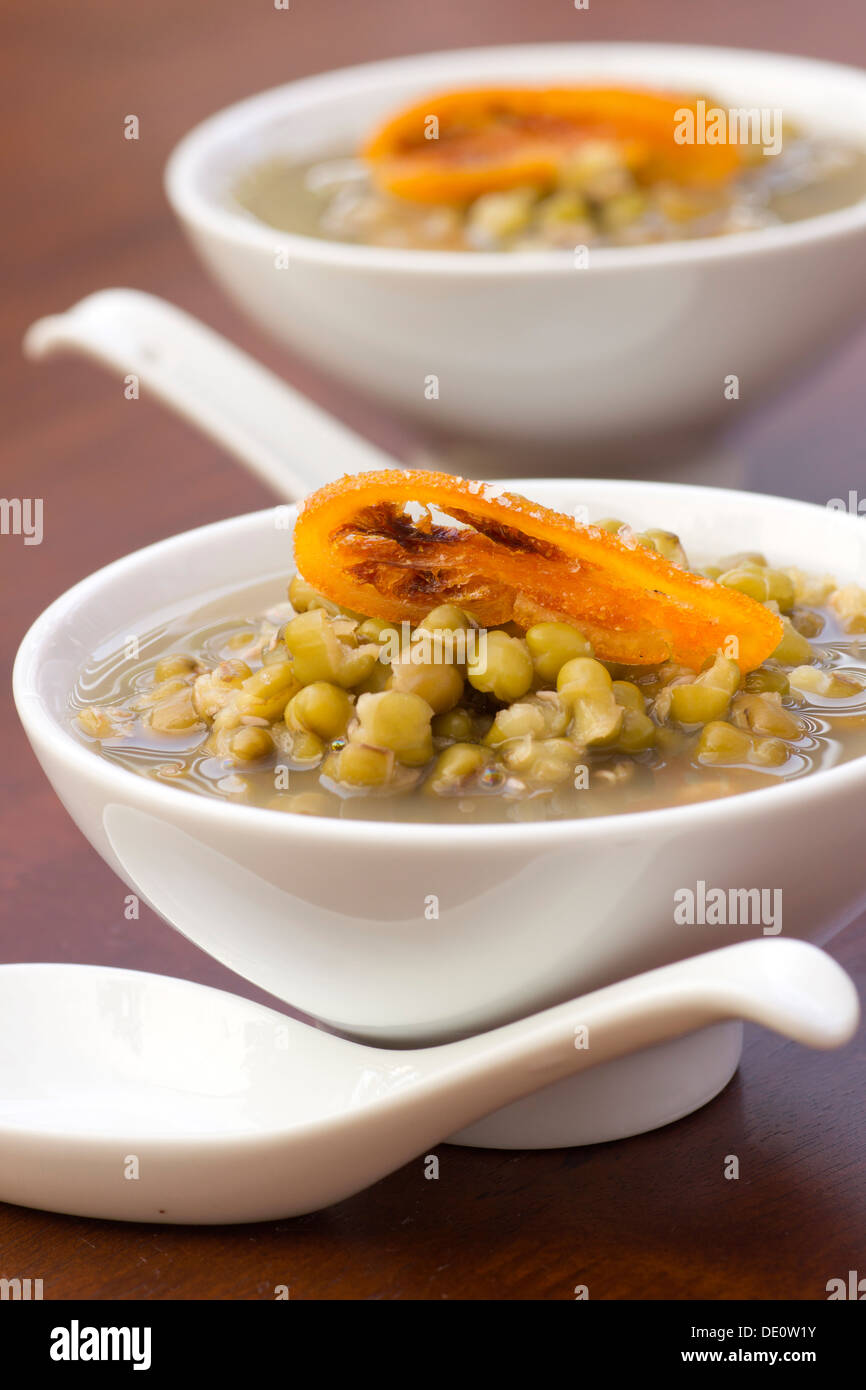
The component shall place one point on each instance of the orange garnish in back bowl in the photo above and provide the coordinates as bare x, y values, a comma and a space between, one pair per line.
371, 543
493, 139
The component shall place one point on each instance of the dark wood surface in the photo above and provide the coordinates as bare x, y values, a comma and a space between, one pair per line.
649, 1218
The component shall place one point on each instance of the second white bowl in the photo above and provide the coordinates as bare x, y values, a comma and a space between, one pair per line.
332, 915
526, 347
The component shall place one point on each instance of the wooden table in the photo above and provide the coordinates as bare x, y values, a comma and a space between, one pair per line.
648, 1218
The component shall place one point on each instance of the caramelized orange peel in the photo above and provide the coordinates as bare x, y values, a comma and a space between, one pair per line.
370, 542
490, 139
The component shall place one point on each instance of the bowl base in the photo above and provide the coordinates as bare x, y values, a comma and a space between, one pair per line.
628, 1096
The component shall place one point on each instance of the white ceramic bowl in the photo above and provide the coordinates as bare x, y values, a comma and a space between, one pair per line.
528, 348
331, 915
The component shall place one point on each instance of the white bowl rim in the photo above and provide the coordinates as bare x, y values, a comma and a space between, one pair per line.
813, 787
220, 219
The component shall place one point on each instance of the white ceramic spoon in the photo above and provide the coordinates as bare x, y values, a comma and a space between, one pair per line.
144, 1098
273, 430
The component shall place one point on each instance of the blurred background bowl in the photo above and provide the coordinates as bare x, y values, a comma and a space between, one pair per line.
624, 353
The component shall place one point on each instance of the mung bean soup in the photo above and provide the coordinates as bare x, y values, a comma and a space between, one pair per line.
528, 169
302, 705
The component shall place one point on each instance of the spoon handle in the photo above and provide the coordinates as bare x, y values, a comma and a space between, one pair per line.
787, 985
273, 430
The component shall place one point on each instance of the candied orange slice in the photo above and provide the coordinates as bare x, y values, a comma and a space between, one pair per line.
498, 138
395, 544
